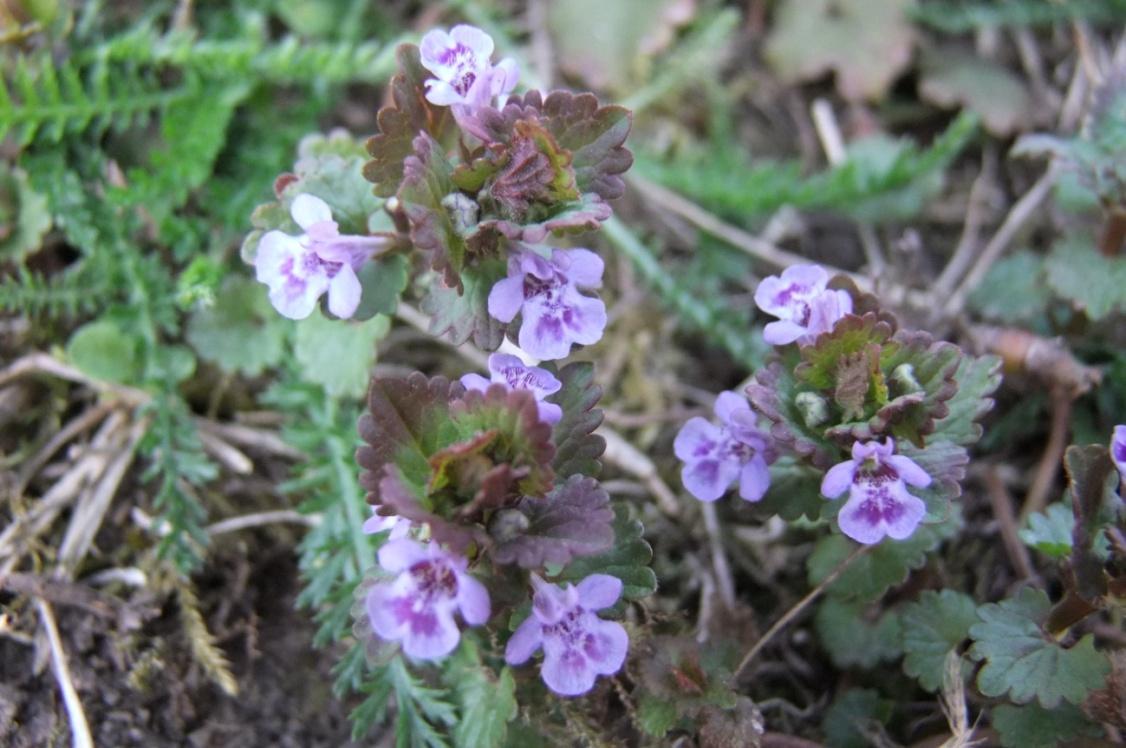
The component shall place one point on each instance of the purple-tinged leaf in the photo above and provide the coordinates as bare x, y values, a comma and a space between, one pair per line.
401, 121
465, 316
594, 135
573, 520
403, 427
577, 447
434, 208
774, 395
1092, 482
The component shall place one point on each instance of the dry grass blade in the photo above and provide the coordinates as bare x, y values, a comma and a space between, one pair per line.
76, 715
91, 509
953, 703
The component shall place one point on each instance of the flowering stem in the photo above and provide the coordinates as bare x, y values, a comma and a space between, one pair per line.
801, 605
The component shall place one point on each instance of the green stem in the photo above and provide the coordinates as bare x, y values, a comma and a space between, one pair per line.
350, 494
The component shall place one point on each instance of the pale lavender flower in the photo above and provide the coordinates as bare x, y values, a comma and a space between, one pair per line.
878, 502
578, 646
511, 372
714, 457
466, 79
417, 607
298, 269
546, 292
1118, 449
376, 523
804, 306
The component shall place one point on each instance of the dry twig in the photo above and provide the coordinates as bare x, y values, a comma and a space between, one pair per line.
76, 715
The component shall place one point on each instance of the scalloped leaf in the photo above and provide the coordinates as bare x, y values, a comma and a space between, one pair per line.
1033, 726
402, 427
522, 441
1096, 284
795, 491
852, 639
401, 121
1024, 662
338, 354
464, 315
428, 196
773, 394
886, 565
853, 716
933, 626
866, 42
240, 332
851, 335
945, 462
1050, 532
577, 447
533, 177
574, 520
978, 377
595, 135
628, 560
585, 214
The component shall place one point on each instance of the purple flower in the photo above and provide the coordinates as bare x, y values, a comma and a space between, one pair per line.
466, 79
511, 372
556, 315
298, 269
577, 645
376, 523
804, 306
716, 456
1118, 449
878, 503
417, 607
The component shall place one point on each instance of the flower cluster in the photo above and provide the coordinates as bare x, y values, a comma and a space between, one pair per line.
803, 304
493, 470
465, 78
716, 456
842, 377
577, 645
417, 607
878, 502
546, 293
510, 371
299, 269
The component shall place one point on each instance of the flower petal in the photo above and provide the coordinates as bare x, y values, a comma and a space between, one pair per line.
909, 470
605, 645
525, 640
696, 439
440, 93
838, 479
430, 633
567, 672
782, 332
599, 591
476, 40
308, 210
506, 298
474, 382
432, 49
504, 77
732, 407
344, 292
473, 599
397, 555
754, 479
580, 266
709, 479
